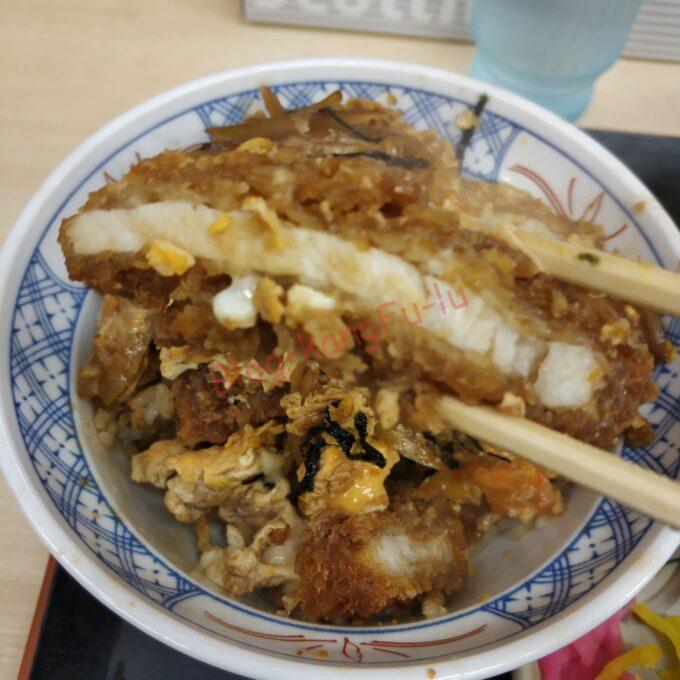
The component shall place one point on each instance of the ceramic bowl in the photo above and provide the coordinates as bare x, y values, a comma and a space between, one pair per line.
527, 596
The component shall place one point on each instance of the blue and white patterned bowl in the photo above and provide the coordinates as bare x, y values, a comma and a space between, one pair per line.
527, 597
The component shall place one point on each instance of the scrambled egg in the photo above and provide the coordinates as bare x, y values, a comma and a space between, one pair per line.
198, 480
348, 486
353, 463
167, 259
242, 568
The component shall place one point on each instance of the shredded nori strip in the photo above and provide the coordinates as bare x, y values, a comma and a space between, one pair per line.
370, 454
314, 444
361, 423
408, 163
465, 441
254, 478
495, 455
344, 437
311, 450
465, 138
588, 257
268, 485
350, 128
447, 450
459, 442
280, 440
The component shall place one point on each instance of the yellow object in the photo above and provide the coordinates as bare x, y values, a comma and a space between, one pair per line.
259, 145
167, 259
269, 218
212, 465
220, 225
361, 491
670, 675
667, 625
368, 486
647, 656
225, 467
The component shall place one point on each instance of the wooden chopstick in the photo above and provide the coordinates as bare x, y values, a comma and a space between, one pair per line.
637, 282
653, 494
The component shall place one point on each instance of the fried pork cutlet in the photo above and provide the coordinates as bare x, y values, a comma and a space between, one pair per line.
281, 306
472, 311
356, 567
205, 415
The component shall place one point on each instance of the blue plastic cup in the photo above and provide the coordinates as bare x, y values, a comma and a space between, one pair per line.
550, 51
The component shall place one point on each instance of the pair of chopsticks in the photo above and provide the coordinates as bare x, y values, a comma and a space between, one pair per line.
647, 285
637, 282
653, 494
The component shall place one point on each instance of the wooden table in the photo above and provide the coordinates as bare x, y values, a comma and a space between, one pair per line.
69, 66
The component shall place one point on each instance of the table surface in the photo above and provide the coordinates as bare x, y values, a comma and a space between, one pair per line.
70, 66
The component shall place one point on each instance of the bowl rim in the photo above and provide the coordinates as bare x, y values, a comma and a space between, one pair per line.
659, 543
